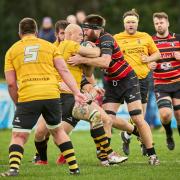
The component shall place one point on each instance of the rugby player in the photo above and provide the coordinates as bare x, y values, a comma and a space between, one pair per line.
136, 46
33, 86
122, 83
88, 112
167, 75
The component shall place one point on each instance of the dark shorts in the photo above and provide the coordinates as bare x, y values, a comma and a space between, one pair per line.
126, 89
27, 113
170, 90
68, 102
144, 88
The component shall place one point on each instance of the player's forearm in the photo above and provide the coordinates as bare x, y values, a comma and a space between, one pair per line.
97, 62
70, 81
67, 77
89, 52
155, 56
88, 70
13, 92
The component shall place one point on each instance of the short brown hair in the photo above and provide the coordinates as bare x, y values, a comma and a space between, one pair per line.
132, 12
160, 15
27, 26
95, 19
61, 24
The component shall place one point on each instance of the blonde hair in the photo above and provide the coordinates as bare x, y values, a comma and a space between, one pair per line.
132, 12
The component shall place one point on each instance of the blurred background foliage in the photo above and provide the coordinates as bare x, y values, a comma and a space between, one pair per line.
12, 11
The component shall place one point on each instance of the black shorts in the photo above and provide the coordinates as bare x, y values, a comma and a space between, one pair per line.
68, 101
126, 89
170, 90
27, 114
144, 88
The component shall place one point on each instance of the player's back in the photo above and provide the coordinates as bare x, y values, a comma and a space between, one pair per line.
32, 59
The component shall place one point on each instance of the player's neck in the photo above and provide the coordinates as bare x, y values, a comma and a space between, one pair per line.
163, 35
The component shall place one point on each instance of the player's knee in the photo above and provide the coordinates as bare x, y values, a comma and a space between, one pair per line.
41, 133
19, 138
135, 112
95, 119
108, 122
166, 116
164, 103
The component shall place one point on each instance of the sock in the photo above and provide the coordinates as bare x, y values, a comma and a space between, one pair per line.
178, 127
127, 135
100, 135
68, 153
109, 141
168, 129
15, 155
41, 148
135, 131
96, 142
151, 151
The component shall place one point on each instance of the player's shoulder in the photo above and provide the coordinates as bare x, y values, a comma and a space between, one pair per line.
15, 46
176, 35
143, 34
106, 37
119, 35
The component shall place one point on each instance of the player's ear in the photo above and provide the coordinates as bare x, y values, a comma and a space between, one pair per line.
36, 34
20, 35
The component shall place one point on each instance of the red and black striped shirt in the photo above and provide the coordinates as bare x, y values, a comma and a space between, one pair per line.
118, 67
168, 68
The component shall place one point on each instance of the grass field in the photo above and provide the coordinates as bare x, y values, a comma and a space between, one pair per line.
136, 167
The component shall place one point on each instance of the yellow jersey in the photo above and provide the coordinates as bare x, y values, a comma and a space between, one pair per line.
133, 47
56, 43
32, 60
69, 48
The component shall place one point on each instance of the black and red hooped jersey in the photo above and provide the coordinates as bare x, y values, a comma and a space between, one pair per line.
168, 68
118, 67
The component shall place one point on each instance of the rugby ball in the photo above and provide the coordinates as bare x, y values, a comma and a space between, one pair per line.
88, 44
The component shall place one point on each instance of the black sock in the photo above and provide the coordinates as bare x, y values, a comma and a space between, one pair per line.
15, 156
168, 129
100, 135
96, 142
109, 141
135, 131
41, 148
178, 127
151, 151
68, 153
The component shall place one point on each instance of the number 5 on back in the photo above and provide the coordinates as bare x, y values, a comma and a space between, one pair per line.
30, 53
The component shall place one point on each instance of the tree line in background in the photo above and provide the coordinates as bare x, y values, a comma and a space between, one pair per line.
12, 11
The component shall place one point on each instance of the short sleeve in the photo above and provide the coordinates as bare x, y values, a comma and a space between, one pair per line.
152, 48
57, 54
8, 66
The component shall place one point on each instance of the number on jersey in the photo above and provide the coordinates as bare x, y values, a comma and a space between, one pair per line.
31, 53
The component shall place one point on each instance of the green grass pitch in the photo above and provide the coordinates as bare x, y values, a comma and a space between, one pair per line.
136, 168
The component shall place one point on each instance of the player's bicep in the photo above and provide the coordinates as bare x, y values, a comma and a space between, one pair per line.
8, 66
60, 65
10, 77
